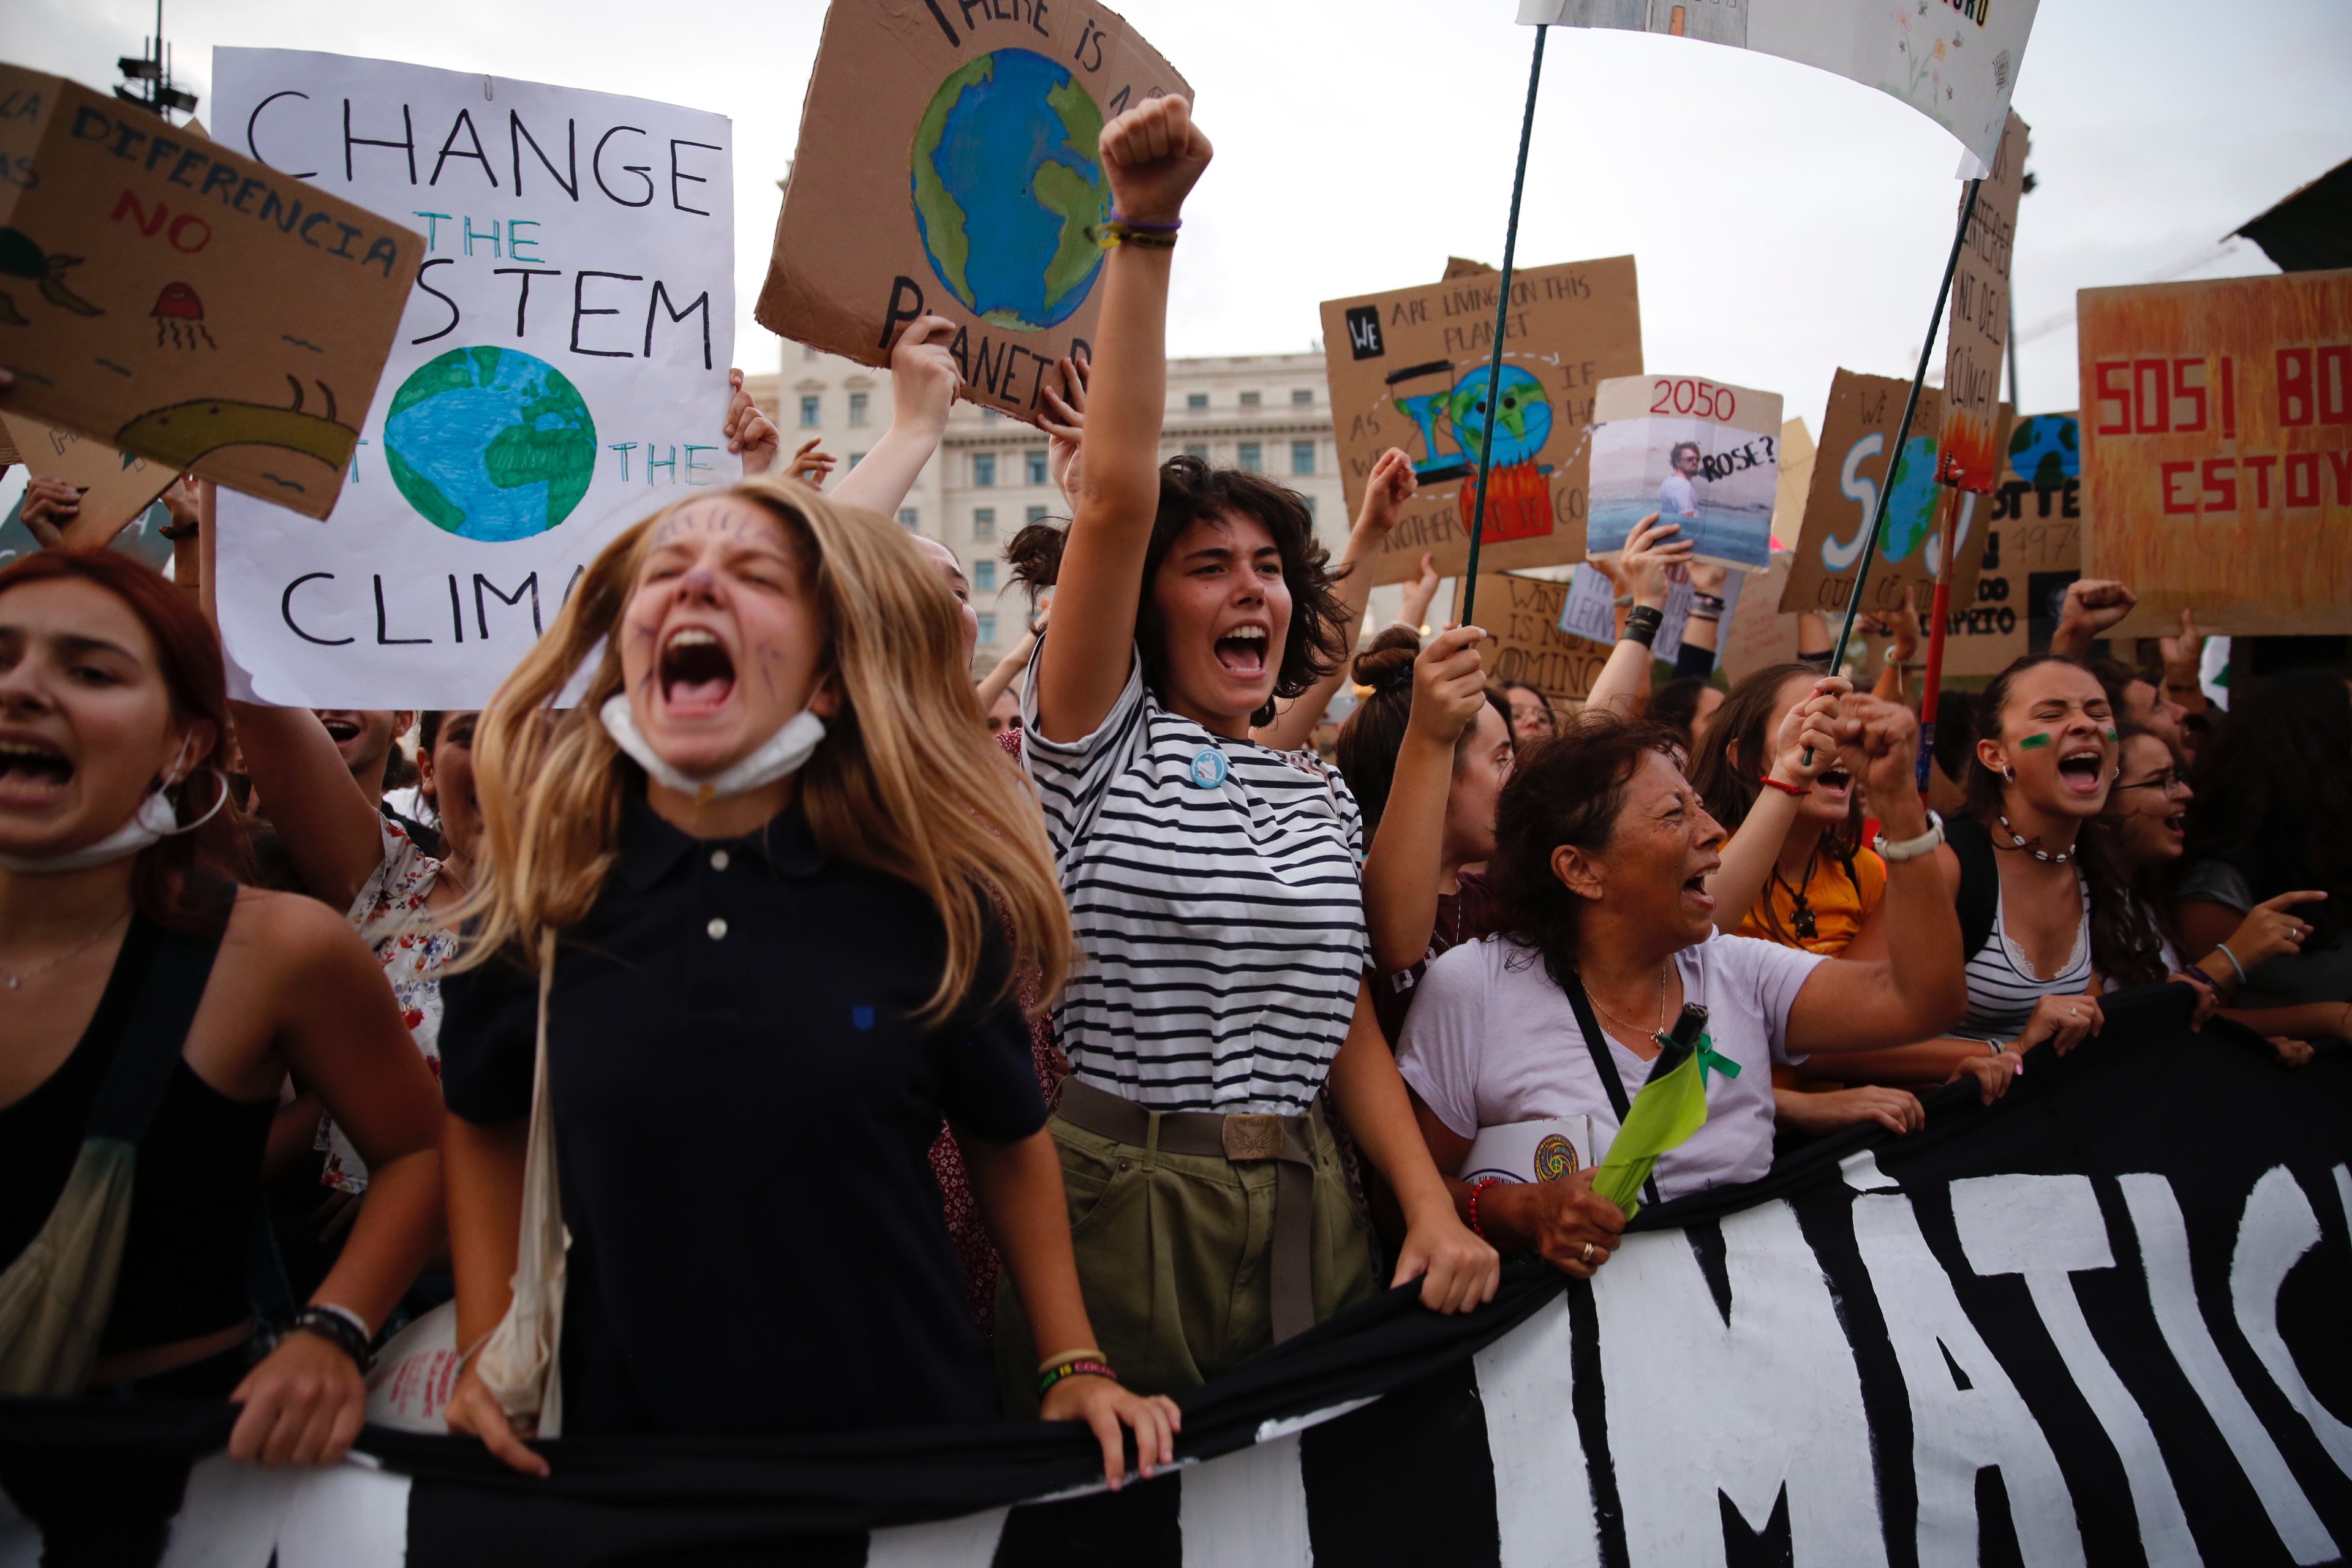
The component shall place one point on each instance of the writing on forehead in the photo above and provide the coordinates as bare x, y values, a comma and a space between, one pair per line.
723, 522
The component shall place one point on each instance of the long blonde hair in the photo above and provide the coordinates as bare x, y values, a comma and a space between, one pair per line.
906, 781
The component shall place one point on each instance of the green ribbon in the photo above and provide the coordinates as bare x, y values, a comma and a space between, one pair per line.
1708, 1057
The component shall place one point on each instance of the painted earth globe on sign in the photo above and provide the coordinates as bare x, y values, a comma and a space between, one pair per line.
490, 444
2044, 449
1522, 414
1006, 185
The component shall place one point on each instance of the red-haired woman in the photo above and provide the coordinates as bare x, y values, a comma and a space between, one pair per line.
124, 945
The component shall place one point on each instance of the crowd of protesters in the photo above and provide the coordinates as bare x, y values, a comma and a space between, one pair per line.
791, 1035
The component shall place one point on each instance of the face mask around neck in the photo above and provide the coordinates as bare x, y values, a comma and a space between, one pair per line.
156, 820
781, 754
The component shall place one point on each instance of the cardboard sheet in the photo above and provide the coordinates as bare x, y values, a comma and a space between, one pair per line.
948, 163
1701, 453
2033, 549
1407, 369
1524, 616
173, 298
1977, 327
115, 487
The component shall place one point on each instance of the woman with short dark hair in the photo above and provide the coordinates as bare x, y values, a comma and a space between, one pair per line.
1602, 856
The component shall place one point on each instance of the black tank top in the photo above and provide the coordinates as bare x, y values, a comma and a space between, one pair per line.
194, 1196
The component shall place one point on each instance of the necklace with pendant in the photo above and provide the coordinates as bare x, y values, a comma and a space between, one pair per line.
1801, 913
1622, 1023
2033, 847
16, 980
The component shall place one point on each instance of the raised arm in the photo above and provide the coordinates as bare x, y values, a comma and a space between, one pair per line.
1391, 486
2091, 604
1407, 856
1747, 858
1919, 990
923, 386
1151, 154
1651, 551
333, 831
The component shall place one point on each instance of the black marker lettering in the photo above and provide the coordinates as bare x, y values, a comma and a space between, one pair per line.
407, 143
454, 314
286, 611
579, 282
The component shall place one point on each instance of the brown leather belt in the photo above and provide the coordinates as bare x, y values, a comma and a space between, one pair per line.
1240, 1138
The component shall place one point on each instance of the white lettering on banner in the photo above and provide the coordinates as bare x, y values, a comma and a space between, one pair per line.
1955, 1431
2047, 1228
2172, 1291
1247, 1510
1543, 1493
2277, 1229
1776, 1389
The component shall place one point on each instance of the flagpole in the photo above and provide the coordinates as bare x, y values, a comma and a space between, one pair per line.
1502, 314
1902, 435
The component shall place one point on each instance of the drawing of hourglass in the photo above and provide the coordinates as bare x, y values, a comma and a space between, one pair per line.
1424, 409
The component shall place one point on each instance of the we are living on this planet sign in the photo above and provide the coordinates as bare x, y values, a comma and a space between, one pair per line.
948, 165
559, 373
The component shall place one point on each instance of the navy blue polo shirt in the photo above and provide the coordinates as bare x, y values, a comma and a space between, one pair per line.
744, 1106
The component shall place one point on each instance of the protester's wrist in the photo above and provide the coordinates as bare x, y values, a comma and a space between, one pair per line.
1909, 820
1643, 598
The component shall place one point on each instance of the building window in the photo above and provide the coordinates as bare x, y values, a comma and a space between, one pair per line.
983, 576
809, 413
987, 628
808, 351
1249, 400
1035, 462
1200, 452
1252, 458
1036, 514
909, 519
856, 458
1310, 507
1302, 396
983, 470
983, 522
1196, 402
1302, 456
989, 416
856, 408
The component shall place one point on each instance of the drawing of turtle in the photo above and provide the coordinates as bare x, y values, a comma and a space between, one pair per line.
20, 257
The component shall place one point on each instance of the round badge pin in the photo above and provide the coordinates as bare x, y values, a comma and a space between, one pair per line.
1209, 768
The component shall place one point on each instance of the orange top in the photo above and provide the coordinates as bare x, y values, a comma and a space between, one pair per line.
1838, 904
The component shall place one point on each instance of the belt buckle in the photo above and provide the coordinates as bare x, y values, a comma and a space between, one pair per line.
1253, 1136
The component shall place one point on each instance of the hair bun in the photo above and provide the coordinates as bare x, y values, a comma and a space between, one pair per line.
1387, 665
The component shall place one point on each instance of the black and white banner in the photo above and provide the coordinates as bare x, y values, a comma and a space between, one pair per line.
2103, 1323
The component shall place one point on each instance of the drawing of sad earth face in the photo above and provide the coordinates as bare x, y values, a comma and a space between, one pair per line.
490, 444
1006, 184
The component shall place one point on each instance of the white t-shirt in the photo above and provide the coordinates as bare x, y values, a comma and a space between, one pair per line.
1213, 890
1677, 498
1491, 1040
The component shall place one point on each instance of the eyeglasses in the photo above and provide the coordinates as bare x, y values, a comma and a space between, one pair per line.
2172, 781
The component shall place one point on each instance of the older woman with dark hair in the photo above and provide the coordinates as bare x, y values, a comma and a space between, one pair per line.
1603, 853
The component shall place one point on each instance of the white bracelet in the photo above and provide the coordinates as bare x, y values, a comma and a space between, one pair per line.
1912, 848
2223, 948
347, 1315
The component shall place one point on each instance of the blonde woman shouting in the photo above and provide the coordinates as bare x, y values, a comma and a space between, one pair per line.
774, 857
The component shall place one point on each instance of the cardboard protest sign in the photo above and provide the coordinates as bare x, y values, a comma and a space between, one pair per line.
2033, 549
1408, 369
948, 163
561, 370
169, 297
142, 538
1757, 632
1978, 326
1852, 463
2217, 450
1955, 62
1589, 611
1524, 614
1789, 489
115, 485
1702, 455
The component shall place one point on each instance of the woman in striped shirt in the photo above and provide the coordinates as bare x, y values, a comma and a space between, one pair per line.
1213, 881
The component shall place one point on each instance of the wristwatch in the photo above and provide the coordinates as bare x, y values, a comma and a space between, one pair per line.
1911, 848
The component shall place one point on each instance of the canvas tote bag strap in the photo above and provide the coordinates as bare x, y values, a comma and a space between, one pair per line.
519, 1363
56, 1294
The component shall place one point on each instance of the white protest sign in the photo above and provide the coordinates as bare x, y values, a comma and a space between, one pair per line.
1590, 610
561, 370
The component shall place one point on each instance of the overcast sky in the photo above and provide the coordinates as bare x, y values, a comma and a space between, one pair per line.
1786, 222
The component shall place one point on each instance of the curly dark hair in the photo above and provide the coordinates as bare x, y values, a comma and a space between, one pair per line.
1190, 491
2275, 793
1368, 741
1568, 790
2123, 947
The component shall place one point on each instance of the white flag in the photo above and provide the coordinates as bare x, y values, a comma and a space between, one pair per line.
1955, 62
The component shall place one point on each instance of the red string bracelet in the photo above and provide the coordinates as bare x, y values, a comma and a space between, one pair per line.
1477, 1187
1792, 791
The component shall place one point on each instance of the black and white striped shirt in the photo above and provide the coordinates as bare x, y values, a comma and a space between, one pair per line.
2002, 986
1215, 892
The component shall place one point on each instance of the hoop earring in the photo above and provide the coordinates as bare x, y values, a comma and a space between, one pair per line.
2008, 774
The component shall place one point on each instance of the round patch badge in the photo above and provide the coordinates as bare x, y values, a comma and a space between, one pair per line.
1555, 1158
1209, 768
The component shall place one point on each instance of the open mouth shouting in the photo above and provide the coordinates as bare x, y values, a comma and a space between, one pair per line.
1695, 891
341, 728
2083, 769
33, 773
1241, 651
1837, 783
695, 673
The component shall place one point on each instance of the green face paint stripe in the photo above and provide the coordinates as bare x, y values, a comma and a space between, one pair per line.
2110, 734
2035, 743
